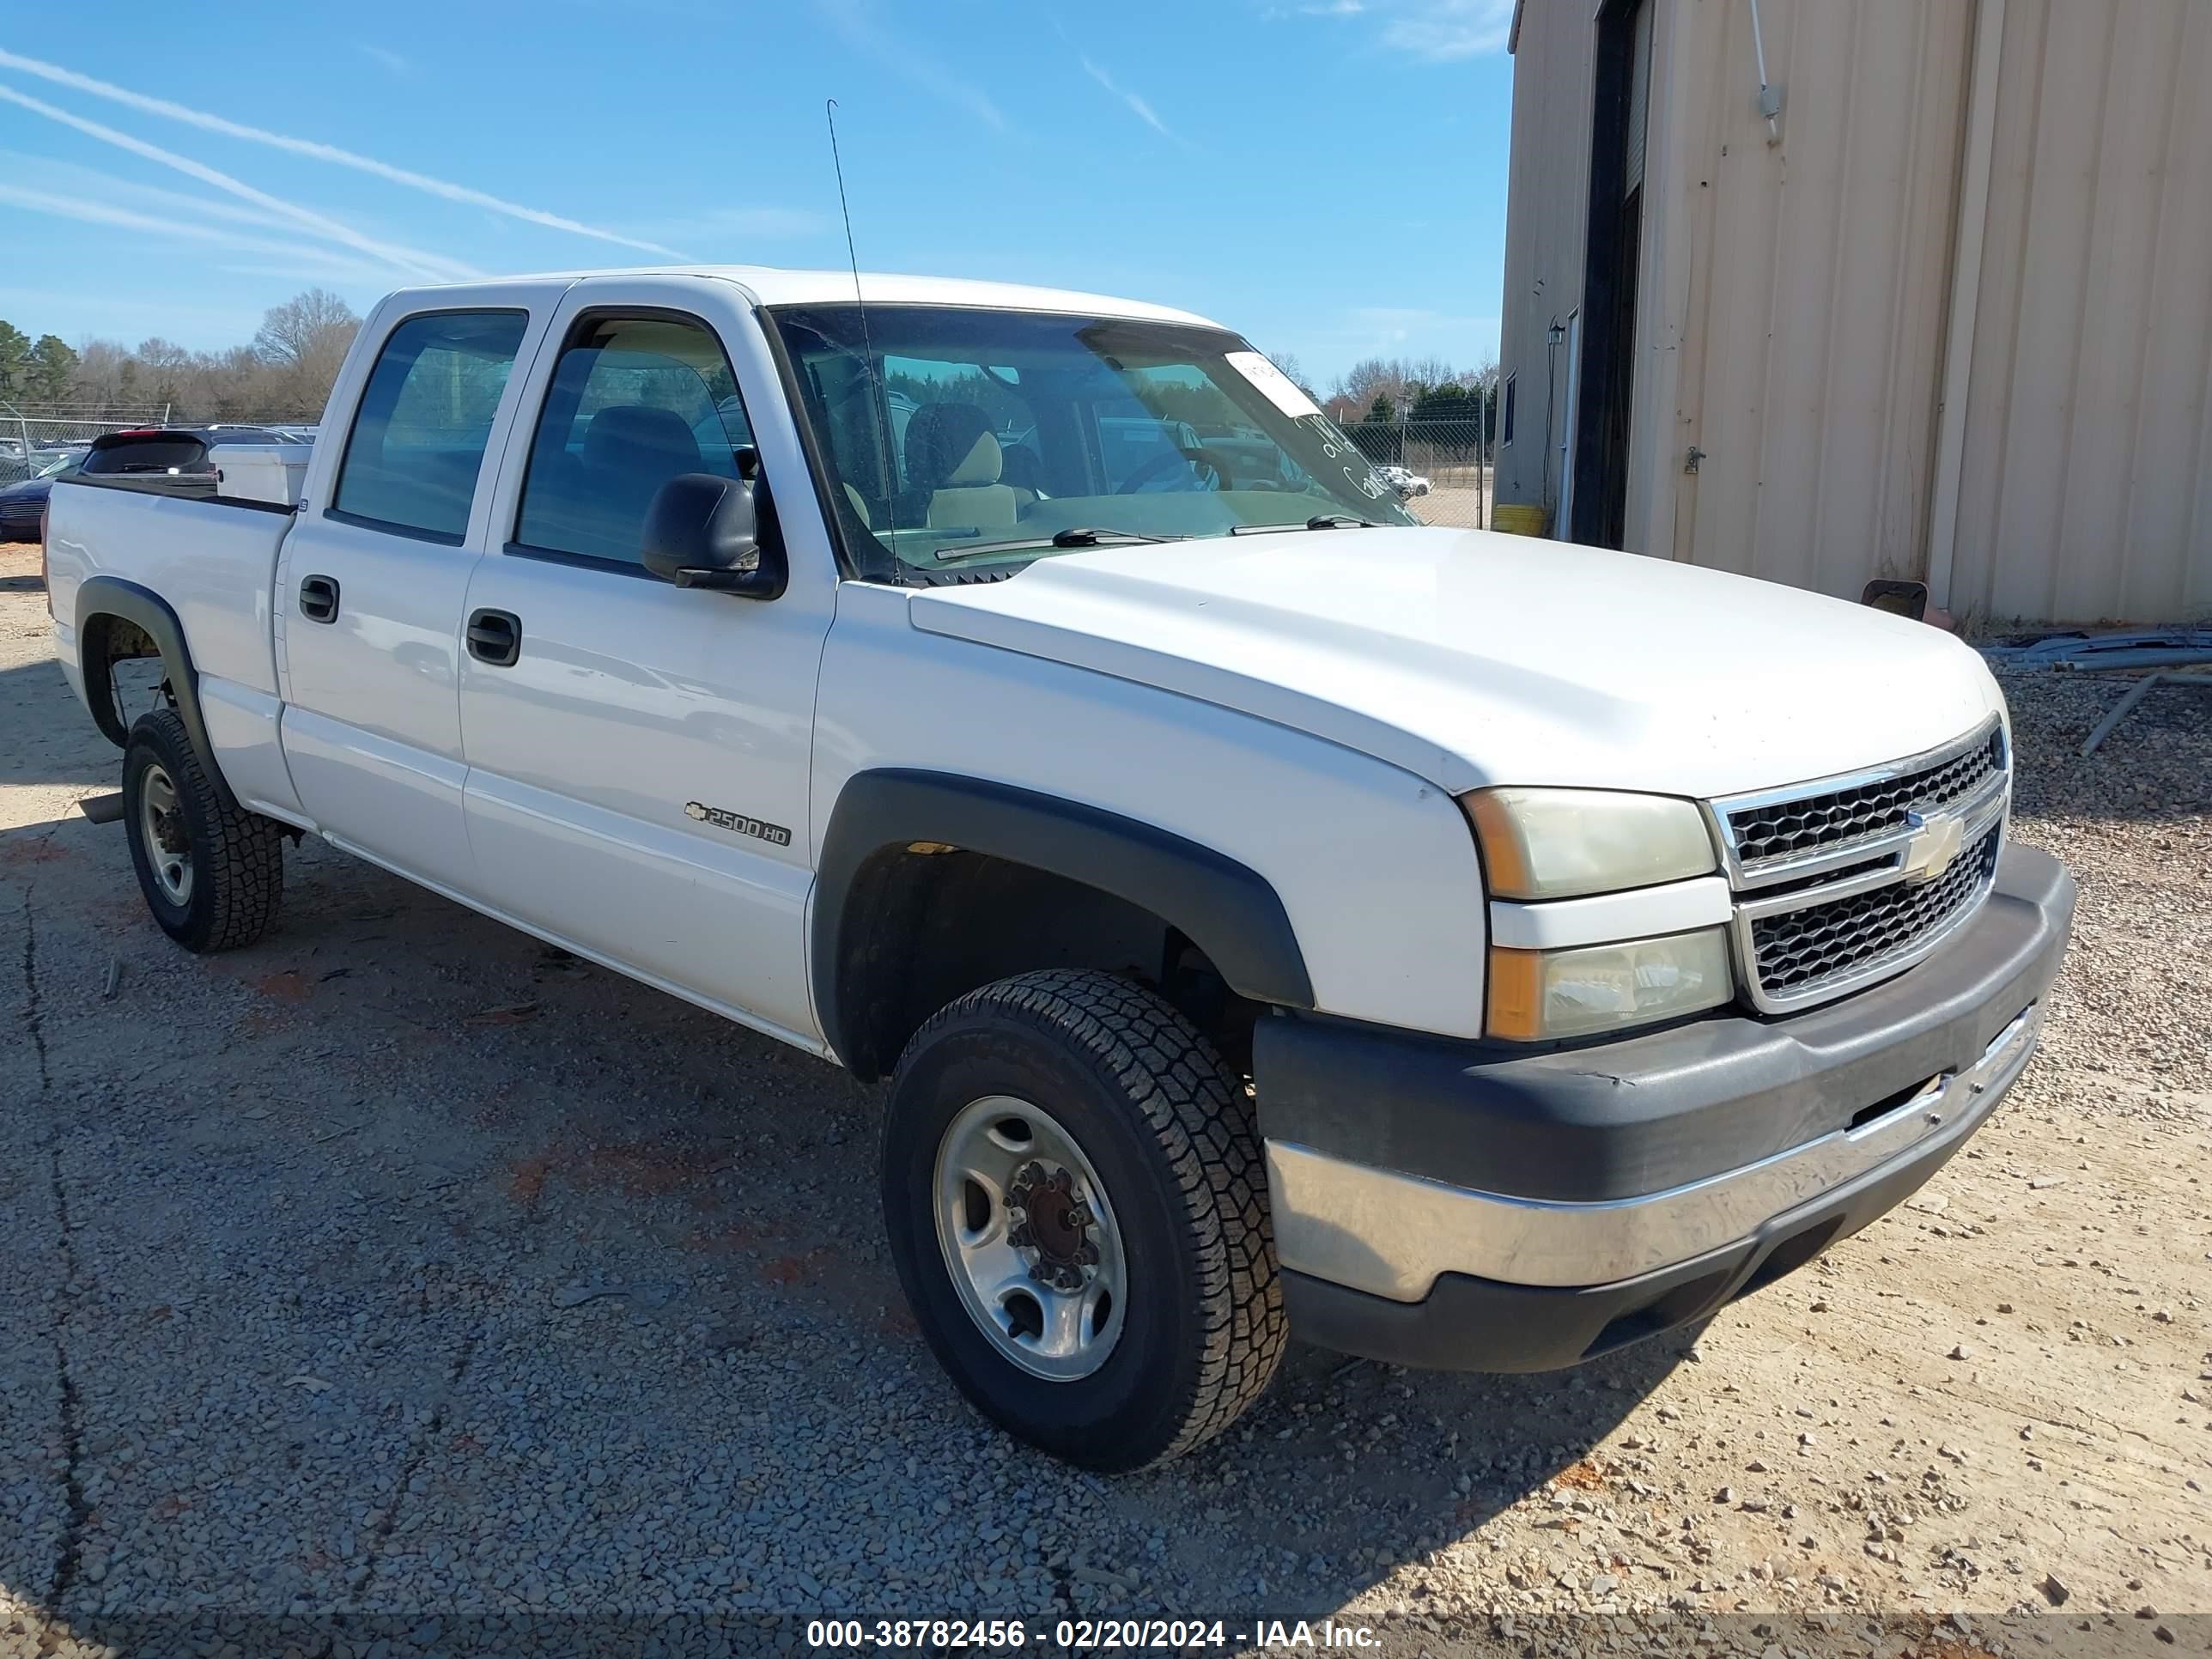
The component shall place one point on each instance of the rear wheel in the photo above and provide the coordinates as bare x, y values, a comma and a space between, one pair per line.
1076, 1206
213, 875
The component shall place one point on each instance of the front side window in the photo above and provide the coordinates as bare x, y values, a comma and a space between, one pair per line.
961, 435
634, 402
418, 442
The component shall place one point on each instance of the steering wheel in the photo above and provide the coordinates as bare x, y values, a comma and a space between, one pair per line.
1201, 461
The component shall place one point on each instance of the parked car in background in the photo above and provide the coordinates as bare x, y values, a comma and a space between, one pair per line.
22, 502
164, 460
1407, 481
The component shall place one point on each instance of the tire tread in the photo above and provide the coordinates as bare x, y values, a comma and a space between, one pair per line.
237, 854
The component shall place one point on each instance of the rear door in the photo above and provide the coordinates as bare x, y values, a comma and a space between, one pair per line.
369, 595
638, 752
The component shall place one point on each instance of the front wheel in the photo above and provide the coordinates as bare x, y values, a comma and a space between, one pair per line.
1078, 1209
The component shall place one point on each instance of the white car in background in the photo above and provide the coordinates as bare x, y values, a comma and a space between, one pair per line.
1407, 481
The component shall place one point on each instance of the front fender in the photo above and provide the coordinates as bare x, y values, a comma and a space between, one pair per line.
1224, 907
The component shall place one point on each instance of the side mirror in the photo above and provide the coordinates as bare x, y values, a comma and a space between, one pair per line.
703, 530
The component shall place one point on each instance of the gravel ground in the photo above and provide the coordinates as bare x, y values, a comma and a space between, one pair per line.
396, 1268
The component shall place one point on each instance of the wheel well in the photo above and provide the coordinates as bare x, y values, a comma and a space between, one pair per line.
106, 641
927, 923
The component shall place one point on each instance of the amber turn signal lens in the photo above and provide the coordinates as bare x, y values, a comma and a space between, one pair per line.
1516, 994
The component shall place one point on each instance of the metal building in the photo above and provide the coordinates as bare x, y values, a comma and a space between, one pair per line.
1928, 297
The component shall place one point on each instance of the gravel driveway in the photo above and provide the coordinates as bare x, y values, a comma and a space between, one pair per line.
399, 1268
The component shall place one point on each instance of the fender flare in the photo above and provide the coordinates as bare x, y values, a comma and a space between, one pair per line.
1226, 908
112, 596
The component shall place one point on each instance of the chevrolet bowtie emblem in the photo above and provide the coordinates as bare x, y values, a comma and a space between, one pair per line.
1935, 843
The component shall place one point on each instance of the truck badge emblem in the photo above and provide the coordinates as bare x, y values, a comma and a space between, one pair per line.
1934, 845
737, 823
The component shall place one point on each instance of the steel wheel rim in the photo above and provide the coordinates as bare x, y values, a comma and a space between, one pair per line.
1039, 1263
161, 833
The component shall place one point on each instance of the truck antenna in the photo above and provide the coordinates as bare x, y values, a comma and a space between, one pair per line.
867, 346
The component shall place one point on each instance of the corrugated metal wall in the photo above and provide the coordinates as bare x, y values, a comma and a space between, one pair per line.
1795, 300
1544, 252
1818, 276
2086, 488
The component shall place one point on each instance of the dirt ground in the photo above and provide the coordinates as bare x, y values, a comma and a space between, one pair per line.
398, 1267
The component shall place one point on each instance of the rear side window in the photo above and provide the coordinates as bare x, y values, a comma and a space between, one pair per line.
634, 402
418, 442
129, 453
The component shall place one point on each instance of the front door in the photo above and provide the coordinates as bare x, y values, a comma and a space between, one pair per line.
370, 588
638, 753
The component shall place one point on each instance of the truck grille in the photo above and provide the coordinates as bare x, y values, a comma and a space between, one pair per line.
1784, 829
1848, 880
1798, 950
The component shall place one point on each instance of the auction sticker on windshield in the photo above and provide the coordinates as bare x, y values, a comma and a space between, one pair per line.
1278, 388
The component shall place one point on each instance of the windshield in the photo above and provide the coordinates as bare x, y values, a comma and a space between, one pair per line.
963, 437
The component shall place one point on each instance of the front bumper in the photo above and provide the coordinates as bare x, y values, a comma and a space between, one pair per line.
1468, 1207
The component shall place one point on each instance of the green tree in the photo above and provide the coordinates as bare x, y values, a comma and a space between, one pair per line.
15, 347
1449, 402
1382, 410
50, 370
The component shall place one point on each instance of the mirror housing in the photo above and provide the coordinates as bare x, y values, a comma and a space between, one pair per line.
704, 531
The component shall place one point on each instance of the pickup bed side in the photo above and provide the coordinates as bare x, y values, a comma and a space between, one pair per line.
133, 574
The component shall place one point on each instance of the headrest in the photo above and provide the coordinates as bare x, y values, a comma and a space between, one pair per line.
639, 436
951, 446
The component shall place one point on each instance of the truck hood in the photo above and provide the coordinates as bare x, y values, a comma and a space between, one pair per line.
1470, 658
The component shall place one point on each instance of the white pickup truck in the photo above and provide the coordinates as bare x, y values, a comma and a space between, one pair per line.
1276, 917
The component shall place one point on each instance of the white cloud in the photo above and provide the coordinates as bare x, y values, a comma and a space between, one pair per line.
1444, 31
1335, 9
402, 67
1143, 111
857, 21
319, 152
414, 260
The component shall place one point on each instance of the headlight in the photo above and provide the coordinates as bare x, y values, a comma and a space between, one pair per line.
1561, 843
1540, 994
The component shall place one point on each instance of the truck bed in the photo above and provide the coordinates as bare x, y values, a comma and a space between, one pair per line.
213, 564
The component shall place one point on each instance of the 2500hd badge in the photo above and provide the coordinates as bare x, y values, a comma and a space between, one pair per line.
722, 819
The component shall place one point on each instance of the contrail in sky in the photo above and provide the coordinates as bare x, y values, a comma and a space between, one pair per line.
320, 152
102, 213
434, 266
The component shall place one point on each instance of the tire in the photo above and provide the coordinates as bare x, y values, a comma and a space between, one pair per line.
1166, 1131
232, 861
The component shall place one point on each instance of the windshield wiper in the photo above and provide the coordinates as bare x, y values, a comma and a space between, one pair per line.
1318, 521
1079, 536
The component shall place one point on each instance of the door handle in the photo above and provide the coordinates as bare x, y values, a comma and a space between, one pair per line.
496, 637
319, 600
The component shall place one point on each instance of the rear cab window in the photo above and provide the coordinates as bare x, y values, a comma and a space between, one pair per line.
418, 439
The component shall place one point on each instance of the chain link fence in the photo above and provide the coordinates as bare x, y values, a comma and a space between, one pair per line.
1445, 467
34, 437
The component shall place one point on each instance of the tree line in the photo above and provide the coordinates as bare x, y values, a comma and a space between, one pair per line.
1386, 389
284, 373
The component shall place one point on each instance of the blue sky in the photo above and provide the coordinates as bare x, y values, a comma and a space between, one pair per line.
1326, 176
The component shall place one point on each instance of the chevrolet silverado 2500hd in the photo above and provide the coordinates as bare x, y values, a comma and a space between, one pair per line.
1275, 917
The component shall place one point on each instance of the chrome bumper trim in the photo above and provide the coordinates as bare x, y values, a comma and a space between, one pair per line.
1391, 1234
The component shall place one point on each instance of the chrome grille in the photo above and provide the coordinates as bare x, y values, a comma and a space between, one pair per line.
1798, 950
1847, 880
1784, 829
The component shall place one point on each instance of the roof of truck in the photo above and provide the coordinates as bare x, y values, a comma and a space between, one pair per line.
774, 286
